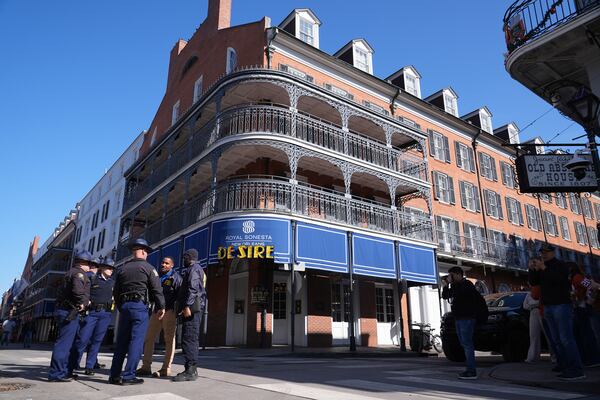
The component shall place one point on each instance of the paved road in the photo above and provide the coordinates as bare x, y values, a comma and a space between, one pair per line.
233, 374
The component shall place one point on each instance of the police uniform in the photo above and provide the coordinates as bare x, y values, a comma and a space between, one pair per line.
193, 295
136, 284
74, 294
96, 323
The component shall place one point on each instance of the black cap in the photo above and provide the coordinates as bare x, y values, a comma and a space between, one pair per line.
139, 243
547, 247
96, 261
107, 262
456, 270
82, 255
192, 254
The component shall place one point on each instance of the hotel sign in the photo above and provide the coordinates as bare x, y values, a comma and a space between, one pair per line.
245, 252
546, 173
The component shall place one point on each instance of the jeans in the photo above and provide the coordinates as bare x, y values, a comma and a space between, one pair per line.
465, 329
560, 324
5, 339
133, 322
67, 330
584, 336
90, 337
189, 339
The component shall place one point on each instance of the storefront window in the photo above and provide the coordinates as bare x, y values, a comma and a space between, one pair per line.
279, 300
384, 302
337, 308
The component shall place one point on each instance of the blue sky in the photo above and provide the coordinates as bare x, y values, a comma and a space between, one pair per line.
79, 80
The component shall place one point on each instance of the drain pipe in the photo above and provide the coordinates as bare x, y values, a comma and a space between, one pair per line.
483, 210
271, 33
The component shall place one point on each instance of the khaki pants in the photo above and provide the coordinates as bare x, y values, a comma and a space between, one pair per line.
168, 325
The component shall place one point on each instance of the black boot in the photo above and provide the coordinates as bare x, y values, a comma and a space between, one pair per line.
190, 374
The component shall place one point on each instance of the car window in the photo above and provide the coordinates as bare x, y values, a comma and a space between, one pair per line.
512, 300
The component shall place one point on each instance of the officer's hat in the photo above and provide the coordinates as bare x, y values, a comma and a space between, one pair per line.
96, 261
139, 243
82, 256
107, 262
547, 247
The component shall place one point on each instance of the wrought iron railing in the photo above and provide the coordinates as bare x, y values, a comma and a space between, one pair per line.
505, 254
275, 195
281, 121
527, 19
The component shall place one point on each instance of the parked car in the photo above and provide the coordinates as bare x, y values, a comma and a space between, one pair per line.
506, 331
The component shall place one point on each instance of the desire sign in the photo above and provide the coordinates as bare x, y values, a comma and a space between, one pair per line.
546, 173
245, 252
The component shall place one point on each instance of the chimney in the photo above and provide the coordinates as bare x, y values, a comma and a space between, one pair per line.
219, 14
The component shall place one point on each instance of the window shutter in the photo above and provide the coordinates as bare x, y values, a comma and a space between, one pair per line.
463, 197
499, 204
451, 190
471, 156
446, 149
503, 172
438, 222
477, 199
481, 169
520, 213
455, 228
486, 199
436, 186
431, 145
509, 214
493, 167
459, 160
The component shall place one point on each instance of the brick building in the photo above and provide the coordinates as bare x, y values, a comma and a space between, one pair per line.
270, 155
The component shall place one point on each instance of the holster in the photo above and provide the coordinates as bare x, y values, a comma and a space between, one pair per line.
73, 314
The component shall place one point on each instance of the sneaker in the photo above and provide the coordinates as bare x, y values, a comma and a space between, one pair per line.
569, 377
467, 375
143, 372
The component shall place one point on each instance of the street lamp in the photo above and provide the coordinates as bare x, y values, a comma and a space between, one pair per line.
585, 106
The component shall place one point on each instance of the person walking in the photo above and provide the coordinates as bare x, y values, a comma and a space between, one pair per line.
553, 277
584, 335
465, 301
96, 323
136, 284
191, 302
7, 329
171, 282
71, 300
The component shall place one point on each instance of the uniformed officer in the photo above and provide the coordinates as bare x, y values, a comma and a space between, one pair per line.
136, 284
191, 302
171, 282
95, 324
72, 299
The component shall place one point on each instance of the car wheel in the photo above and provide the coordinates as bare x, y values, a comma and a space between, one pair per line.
452, 349
517, 345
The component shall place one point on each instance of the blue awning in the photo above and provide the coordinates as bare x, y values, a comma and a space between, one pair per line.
417, 263
199, 241
255, 231
153, 258
322, 248
172, 250
373, 256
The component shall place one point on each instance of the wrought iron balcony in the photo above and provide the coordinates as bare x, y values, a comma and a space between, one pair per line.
275, 195
275, 120
528, 19
504, 254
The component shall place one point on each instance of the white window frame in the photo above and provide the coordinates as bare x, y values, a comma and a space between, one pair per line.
232, 60
564, 228
415, 85
580, 233
486, 122
486, 166
532, 217
470, 197
439, 150
551, 223
175, 112
450, 104
467, 157
305, 36
364, 64
513, 211
198, 89
561, 200
508, 178
493, 204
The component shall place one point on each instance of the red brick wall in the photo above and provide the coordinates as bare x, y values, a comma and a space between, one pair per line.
368, 313
319, 310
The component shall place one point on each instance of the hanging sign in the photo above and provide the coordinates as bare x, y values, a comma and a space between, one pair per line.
546, 173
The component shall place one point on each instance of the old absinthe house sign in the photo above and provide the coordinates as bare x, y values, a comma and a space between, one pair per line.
546, 173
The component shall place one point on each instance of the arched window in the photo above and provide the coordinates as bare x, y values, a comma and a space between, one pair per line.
482, 288
231, 60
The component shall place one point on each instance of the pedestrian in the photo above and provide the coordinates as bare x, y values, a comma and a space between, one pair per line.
466, 302
95, 324
191, 303
7, 329
171, 282
553, 277
71, 300
584, 335
136, 285
532, 304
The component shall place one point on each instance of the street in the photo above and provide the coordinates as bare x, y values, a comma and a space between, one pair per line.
278, 374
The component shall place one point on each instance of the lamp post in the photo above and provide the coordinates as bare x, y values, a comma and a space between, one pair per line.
586, 105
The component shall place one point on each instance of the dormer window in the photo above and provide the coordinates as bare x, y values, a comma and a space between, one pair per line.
412, 84
303, 24
357, 53
513, 134
486, 121
361, 60
407, 78
450, 103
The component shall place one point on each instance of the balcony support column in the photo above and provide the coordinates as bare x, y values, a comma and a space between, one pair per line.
214, 165
163, 228
215, 134
389, 131
348, 171
345, 115
293, 154
186, 215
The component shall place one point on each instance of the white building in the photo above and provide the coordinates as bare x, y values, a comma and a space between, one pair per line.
100, 212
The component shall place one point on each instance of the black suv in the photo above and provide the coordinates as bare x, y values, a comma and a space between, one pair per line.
506, 330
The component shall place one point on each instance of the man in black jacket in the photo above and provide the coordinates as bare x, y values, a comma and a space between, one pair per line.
191, 302
463, 297
553, 277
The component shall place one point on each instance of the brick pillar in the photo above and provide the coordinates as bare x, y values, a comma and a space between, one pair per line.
406, 325
319, 311
368, 314
259, 273
217, 292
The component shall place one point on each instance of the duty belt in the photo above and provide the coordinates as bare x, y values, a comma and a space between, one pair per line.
133, 297
101, 306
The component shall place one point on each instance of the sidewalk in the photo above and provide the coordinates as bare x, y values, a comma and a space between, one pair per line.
540, 375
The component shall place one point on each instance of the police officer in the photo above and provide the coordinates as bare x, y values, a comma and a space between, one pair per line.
95, 324
136, 283
191, 302
72, 299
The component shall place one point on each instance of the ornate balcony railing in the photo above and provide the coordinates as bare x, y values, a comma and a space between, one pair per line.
282, 121
274, 195
505, 254
527, 19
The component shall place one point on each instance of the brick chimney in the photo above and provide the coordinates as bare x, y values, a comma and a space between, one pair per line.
219, 14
